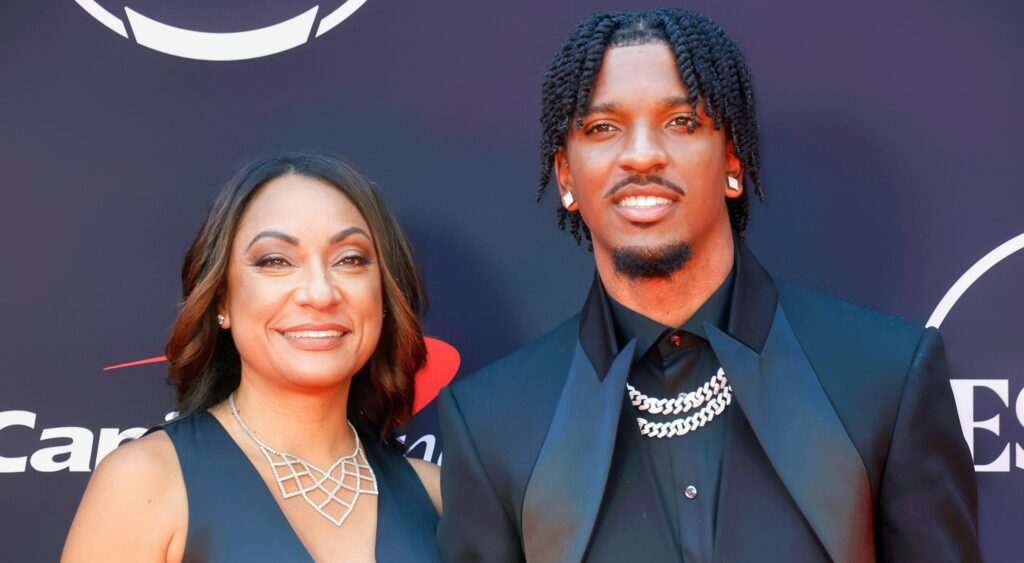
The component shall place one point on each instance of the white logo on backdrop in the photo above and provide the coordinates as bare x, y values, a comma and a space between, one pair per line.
73, 450
233, 46
78, 449
964, 389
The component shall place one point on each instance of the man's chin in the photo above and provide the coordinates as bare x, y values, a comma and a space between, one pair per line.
650, 261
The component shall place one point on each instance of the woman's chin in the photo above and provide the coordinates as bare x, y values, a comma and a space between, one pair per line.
317, 378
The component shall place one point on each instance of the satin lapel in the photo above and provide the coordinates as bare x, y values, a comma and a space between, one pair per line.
803, 437
565, 490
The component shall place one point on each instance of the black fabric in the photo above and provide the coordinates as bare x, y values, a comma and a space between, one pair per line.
632, 506
884, 381
233, 516
670, 361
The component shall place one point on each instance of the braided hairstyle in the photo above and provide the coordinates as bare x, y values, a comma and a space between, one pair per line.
710, 65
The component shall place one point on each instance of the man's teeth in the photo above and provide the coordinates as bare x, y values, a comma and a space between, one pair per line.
313, 334
643, 201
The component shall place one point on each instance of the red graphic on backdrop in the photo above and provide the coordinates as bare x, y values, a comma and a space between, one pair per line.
442, 363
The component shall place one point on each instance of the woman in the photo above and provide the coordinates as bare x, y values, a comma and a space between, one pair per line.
293, 359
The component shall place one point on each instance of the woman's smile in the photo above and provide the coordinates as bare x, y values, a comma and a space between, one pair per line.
315, 336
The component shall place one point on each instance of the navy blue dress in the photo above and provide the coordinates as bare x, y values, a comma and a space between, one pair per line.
233, 516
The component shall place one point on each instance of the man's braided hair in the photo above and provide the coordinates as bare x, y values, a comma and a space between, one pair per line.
710, 65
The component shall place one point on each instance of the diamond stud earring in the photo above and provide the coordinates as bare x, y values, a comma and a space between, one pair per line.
734, 184
567, 200
220, 319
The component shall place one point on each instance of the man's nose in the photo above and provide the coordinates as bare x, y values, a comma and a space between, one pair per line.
644, 150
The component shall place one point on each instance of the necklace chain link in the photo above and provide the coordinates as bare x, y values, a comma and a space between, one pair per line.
708, 401
307, 478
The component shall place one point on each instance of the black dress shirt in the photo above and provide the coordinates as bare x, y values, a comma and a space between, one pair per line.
687, 469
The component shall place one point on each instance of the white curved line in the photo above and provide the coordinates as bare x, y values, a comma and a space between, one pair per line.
235, 46
337, 16
971, 275
104, 17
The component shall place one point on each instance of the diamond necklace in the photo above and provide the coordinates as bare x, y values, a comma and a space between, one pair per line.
714, 395
335, 496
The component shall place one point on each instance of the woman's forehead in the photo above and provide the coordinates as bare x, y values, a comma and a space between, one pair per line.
298, 204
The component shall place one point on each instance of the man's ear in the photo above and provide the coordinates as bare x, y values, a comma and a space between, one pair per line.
564, 178
733, 172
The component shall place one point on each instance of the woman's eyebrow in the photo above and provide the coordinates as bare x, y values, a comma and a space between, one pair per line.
345, 233
273, 234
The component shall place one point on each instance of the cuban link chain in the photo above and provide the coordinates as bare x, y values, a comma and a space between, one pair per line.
709, 400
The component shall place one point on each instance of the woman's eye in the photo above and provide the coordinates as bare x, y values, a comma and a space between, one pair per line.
353, 260
273, 262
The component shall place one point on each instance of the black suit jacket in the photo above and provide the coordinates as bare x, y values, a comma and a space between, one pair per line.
842, 443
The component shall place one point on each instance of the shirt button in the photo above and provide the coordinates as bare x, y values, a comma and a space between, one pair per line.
676, 340
690, 491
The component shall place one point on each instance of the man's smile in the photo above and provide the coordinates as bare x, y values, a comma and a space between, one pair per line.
644, 204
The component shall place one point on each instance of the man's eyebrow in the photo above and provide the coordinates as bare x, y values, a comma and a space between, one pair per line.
677, 101
609, 107
345, 233
273, 234
612, 107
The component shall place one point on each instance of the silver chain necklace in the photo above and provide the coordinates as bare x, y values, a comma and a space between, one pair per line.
336, 496
710, 401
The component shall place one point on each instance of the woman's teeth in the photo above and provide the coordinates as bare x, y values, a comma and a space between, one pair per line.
313, 334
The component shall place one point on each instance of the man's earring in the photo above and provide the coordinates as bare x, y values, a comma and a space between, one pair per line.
567, 200
220, 320
734, 184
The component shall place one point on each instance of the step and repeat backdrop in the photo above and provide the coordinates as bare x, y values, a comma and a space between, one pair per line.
891, 136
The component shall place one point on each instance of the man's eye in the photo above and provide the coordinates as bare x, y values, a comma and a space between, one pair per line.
273, 262
599, 128
685, 121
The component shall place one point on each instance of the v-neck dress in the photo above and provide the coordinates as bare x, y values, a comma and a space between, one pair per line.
233, 515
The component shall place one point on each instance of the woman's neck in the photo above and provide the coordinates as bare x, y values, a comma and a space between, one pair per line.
311, 425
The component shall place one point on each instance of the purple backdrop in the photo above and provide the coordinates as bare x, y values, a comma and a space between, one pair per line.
890, 134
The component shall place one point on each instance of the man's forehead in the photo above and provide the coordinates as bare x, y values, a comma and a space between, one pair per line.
649, 70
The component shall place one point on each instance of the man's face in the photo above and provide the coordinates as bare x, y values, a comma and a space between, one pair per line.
642, 181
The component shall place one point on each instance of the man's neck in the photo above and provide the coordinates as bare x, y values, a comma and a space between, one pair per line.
674, 299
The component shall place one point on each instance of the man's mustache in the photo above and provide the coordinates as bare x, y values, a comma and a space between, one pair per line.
643, 180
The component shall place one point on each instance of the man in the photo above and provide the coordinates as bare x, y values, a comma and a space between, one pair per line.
696, 409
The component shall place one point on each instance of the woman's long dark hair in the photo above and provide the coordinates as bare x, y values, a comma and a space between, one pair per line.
205, 366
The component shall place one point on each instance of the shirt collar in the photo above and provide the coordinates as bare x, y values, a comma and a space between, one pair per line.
629, 324
750, 312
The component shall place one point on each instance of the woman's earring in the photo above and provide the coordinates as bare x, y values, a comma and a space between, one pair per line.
220, 320
734, 184
567, 200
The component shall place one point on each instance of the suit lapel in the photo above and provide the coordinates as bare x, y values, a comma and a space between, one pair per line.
565, 489
797, 427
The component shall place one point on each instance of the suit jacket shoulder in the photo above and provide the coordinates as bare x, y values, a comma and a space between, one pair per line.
862, 358
510, 377
507, 407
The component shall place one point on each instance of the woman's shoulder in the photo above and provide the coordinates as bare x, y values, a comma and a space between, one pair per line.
141, 475
137, 486
148, 461
430, 476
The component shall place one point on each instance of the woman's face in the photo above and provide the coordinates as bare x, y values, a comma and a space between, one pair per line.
304, 300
